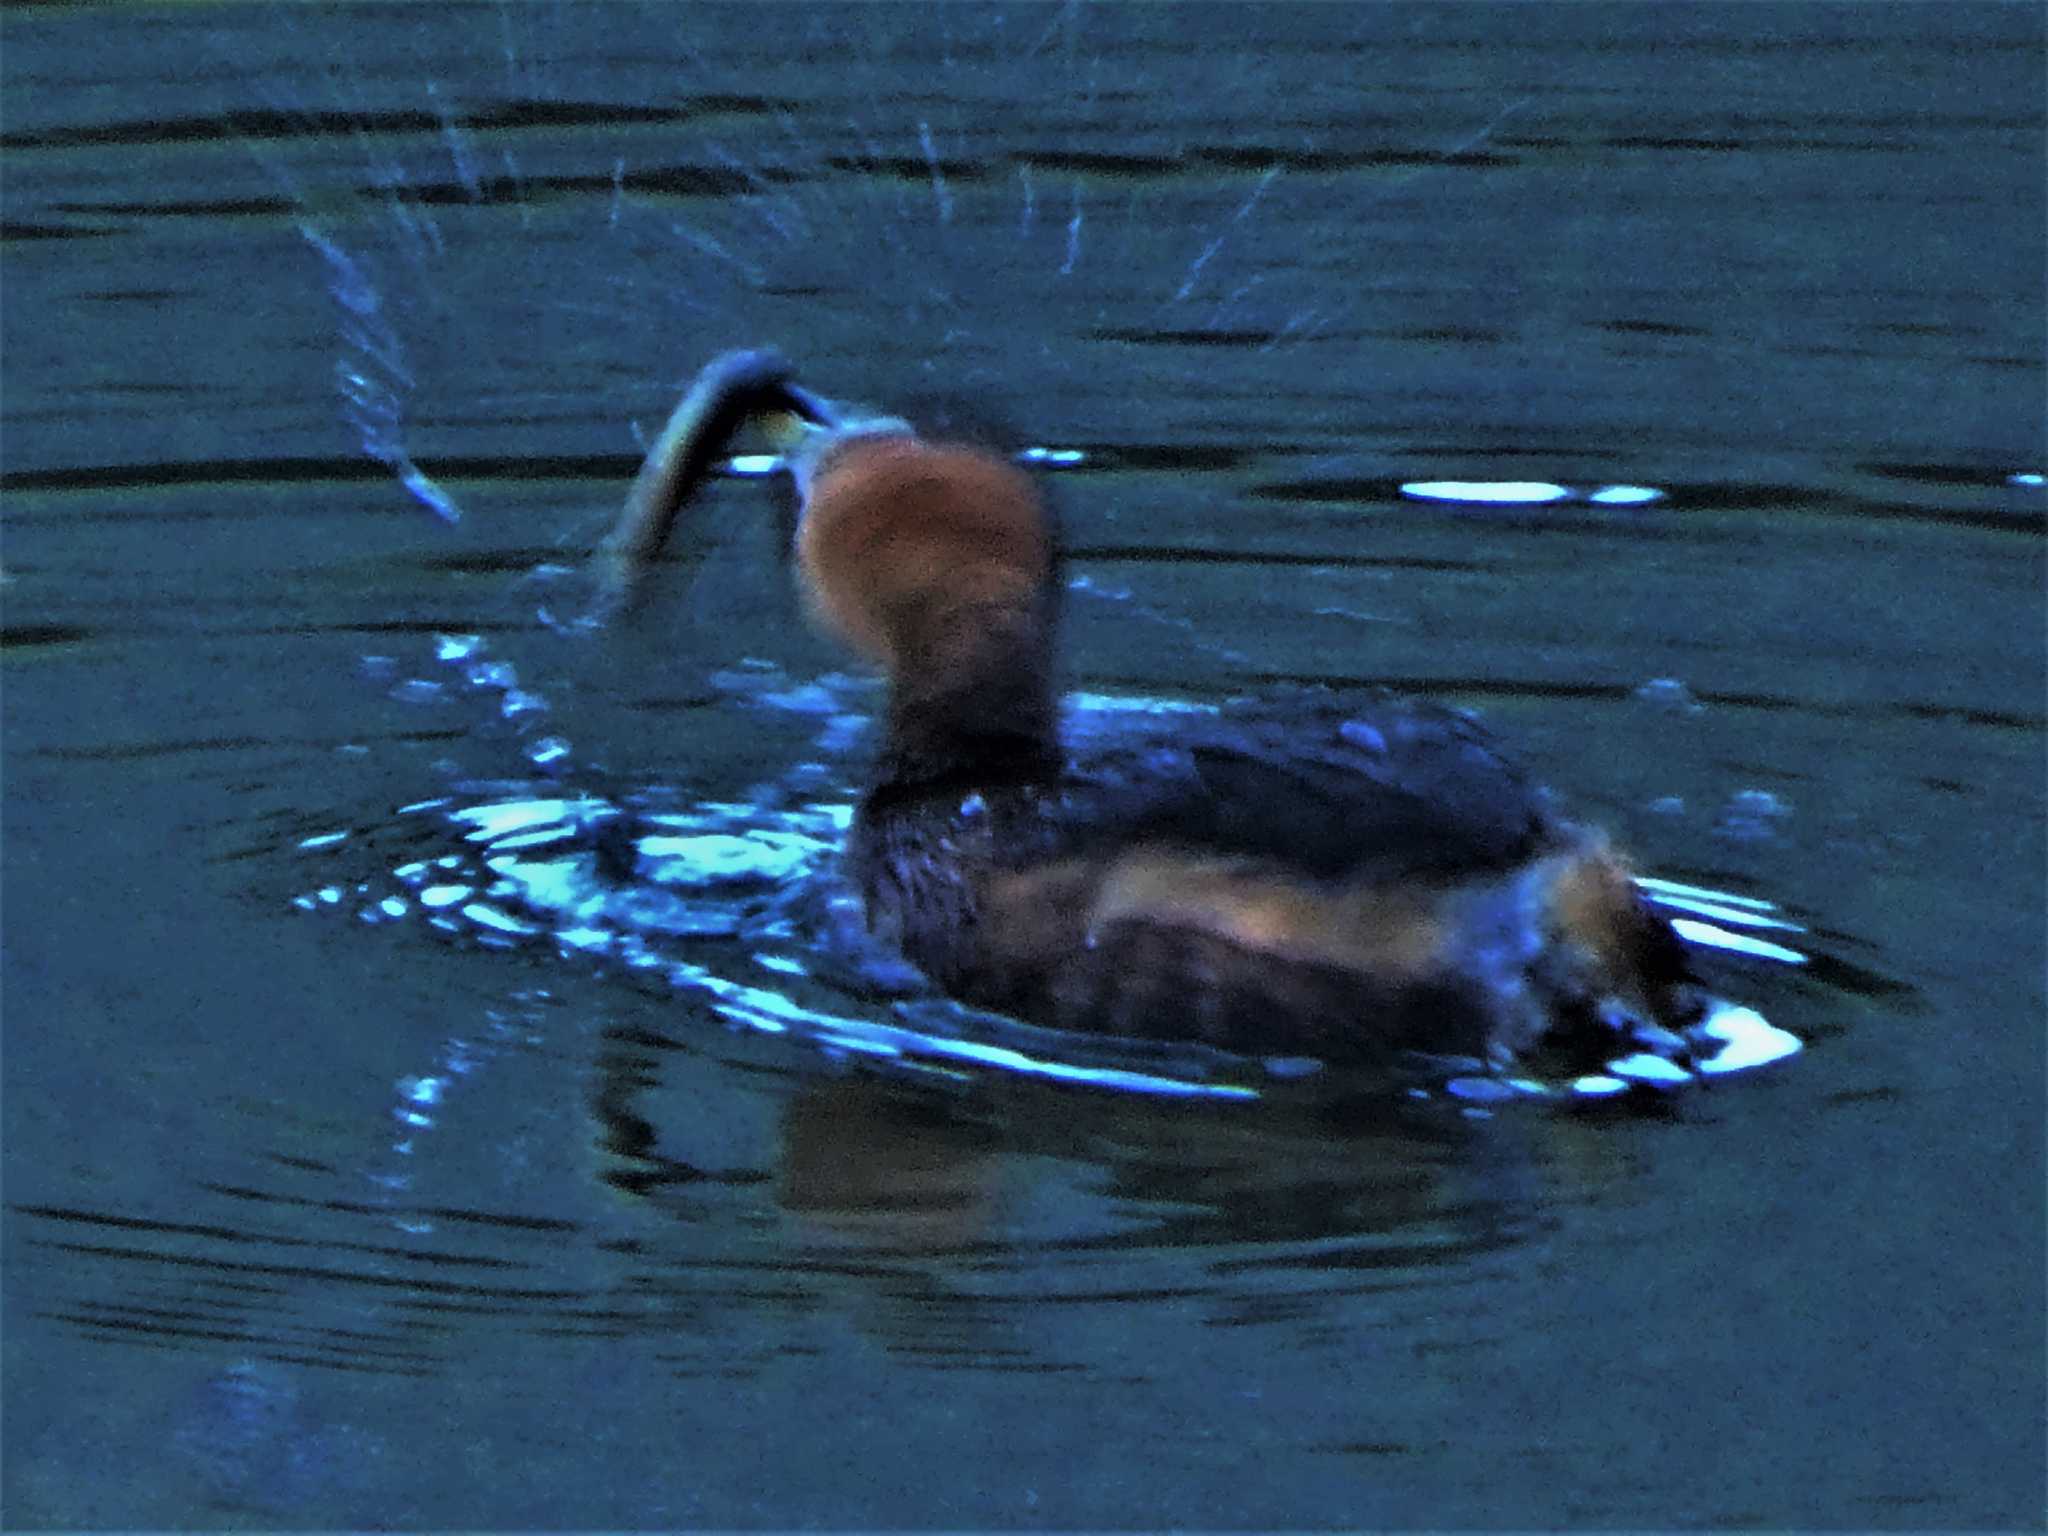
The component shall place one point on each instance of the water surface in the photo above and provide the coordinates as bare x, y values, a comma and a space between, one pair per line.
312, 1220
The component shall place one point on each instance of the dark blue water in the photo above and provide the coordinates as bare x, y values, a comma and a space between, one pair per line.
318, 1213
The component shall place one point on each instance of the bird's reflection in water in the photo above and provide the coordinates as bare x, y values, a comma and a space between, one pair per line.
868, 1165
917, 1173
956, 1224
908, 1200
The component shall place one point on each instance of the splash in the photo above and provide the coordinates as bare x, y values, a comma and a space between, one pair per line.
373, 376
740, 907
715, 213
744, 911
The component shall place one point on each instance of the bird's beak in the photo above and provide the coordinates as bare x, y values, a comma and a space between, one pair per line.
805, 441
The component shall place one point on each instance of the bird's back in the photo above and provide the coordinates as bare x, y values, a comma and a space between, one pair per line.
1346, 877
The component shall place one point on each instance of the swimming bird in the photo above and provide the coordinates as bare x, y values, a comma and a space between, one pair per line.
1350, 877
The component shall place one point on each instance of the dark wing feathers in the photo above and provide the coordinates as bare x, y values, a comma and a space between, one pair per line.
1374, 788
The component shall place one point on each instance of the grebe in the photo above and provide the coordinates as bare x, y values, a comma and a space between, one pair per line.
1345, 878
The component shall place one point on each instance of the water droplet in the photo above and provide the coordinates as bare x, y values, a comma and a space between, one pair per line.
417, 690
1598, 1086
1669, 693
1363, 734
1752, 815
1642, 1067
